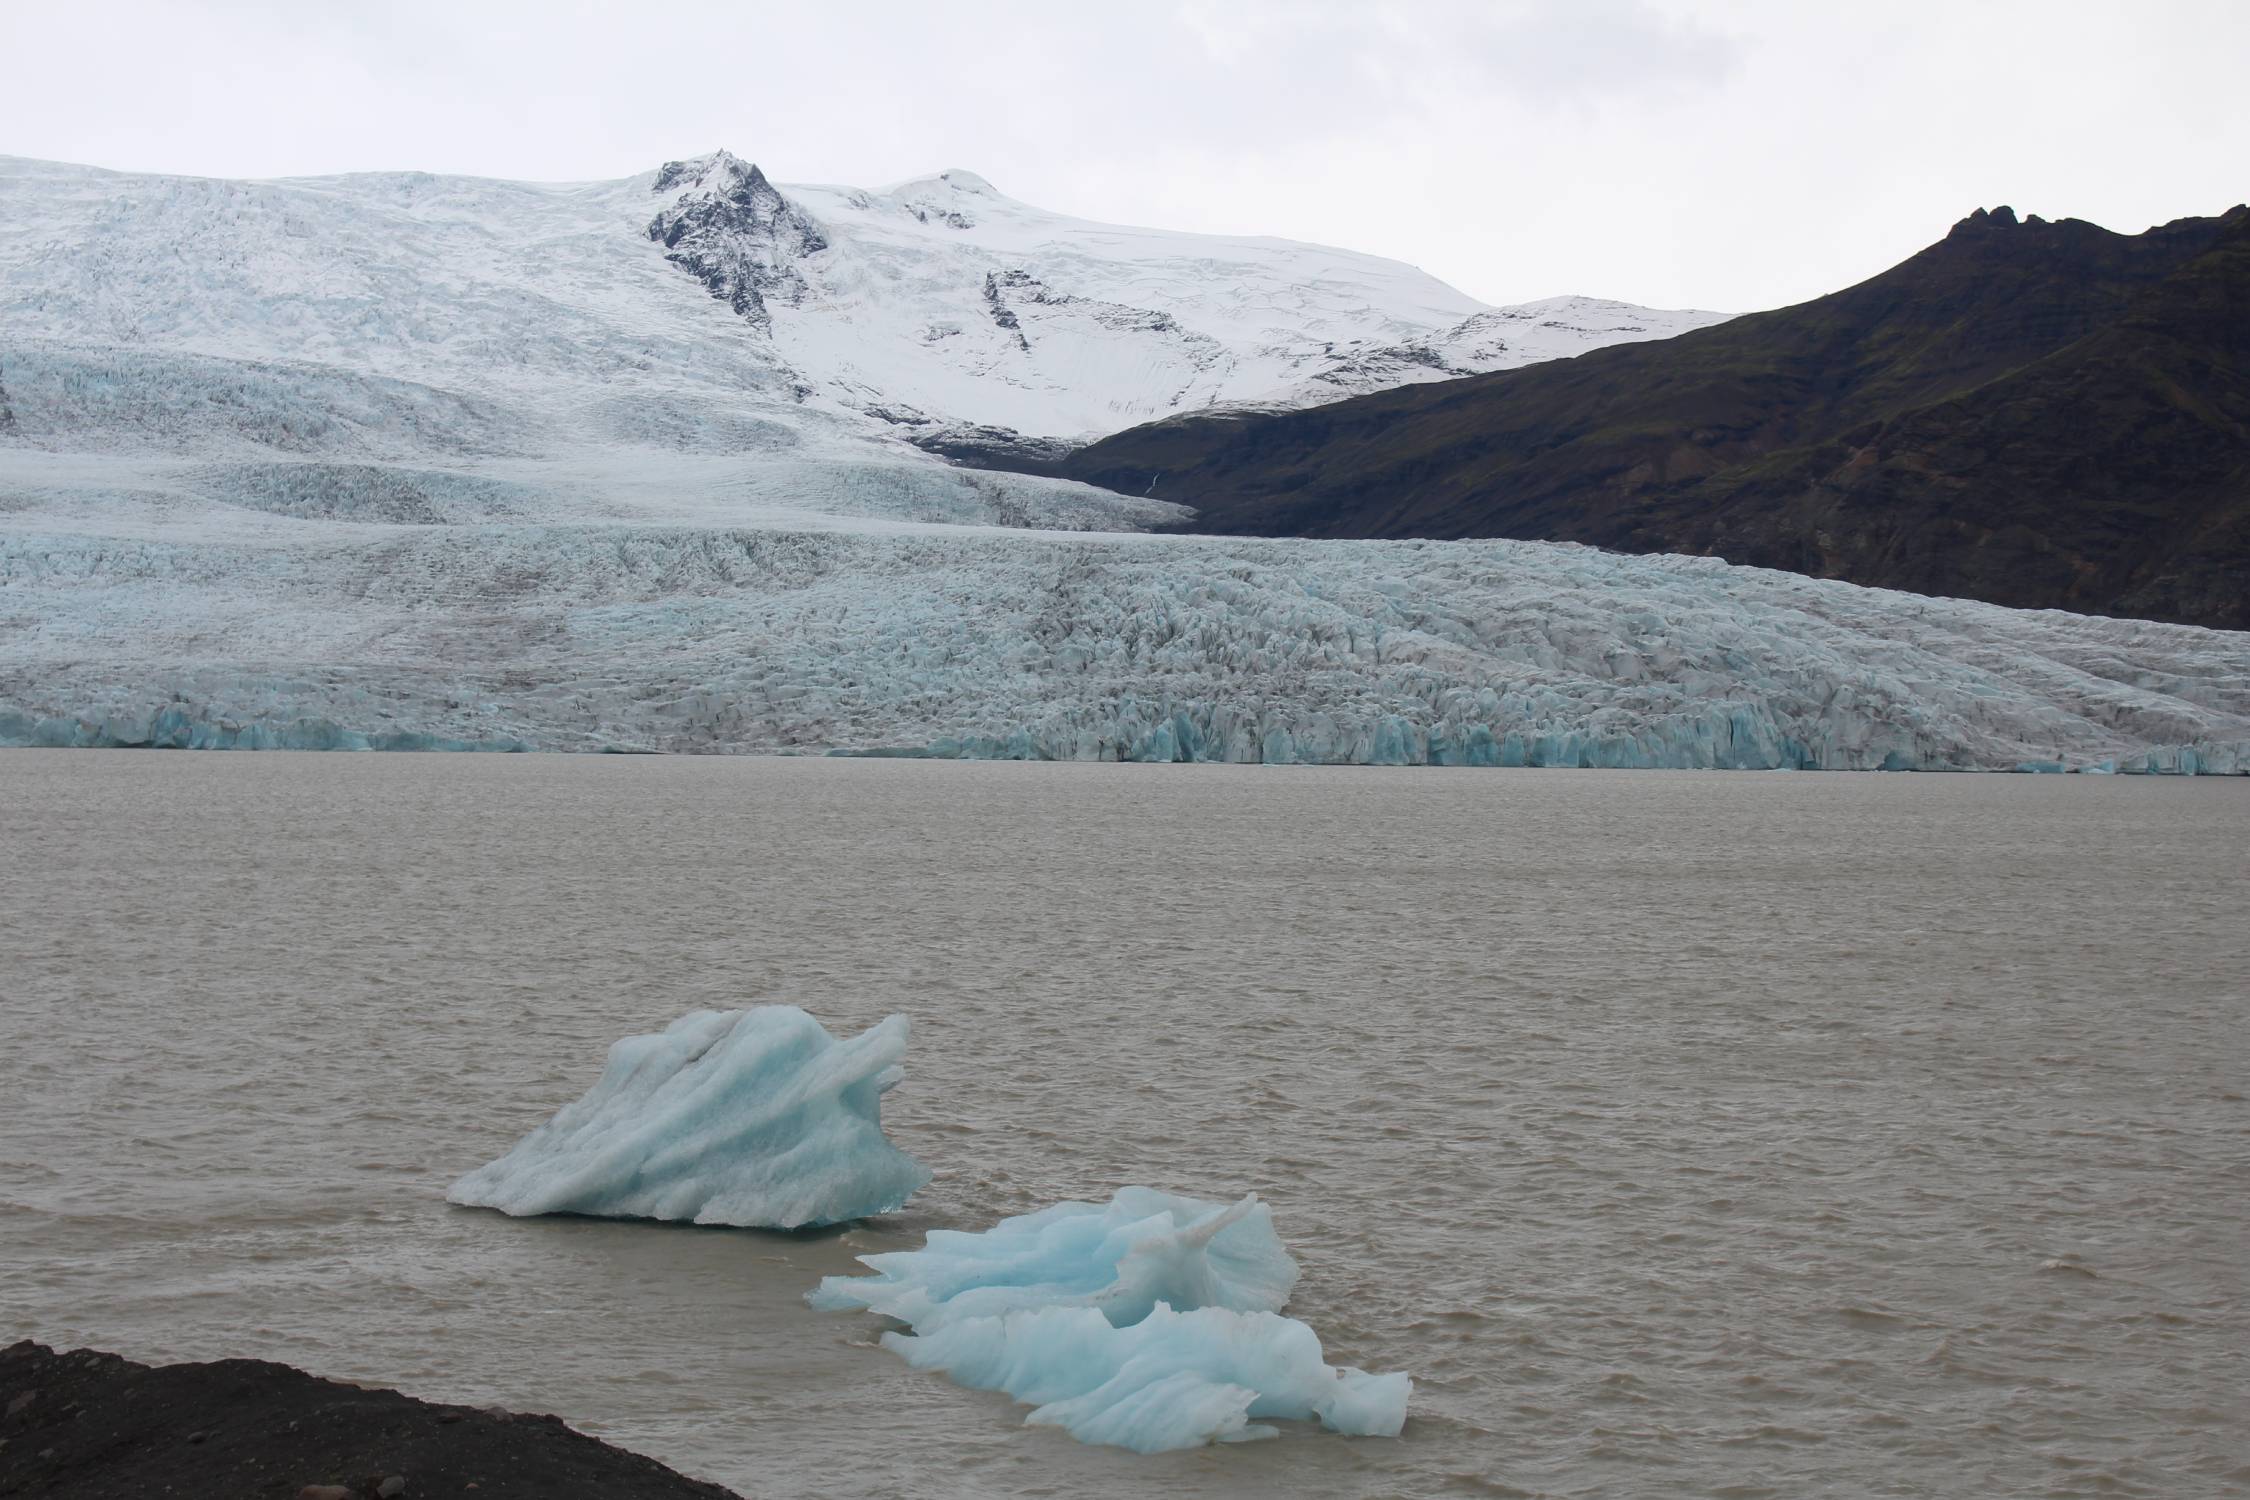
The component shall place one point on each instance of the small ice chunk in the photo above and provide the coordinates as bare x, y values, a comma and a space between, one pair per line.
1121, 1259
1150, 1322
1171, 1380
756, 1118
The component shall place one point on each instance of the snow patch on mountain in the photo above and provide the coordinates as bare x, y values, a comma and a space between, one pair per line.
1071, 328
1503, 338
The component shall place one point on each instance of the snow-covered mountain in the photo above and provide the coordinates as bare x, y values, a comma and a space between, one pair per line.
937, 302
1075, 328
412, 460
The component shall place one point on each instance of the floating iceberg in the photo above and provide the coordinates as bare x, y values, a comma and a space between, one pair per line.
1172, 1380
756, 1118
1120, 1259
1150, 1322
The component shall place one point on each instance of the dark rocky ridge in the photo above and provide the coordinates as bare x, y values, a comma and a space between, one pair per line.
977, 446
1004, 316
733, 231
2036, 414
91, 1426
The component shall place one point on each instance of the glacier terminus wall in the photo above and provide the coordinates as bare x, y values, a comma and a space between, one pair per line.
982, 642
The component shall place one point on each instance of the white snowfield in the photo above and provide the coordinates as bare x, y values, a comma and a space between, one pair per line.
410, 461
526, 317
1077, 328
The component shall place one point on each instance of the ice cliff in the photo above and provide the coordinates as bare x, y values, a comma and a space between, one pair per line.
757, 1118
1151, 1322
156, 620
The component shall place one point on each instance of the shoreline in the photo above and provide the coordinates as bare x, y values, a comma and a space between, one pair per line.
2169, 762
91, 1425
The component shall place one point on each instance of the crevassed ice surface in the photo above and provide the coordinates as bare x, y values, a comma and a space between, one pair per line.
121, 627
1119, 1258
757, 1118
1173, 1380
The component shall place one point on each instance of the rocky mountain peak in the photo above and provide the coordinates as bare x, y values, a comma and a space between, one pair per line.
2002, 217
731, 229
720, 168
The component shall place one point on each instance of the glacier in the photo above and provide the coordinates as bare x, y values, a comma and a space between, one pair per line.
756, 1118
688, 297
1120, 1259
1150, 1322
401, 461
153, 619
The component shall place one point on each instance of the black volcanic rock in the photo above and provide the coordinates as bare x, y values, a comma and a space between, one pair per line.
995, 448
92, 1426
1003, 315
2037, 414
733, 231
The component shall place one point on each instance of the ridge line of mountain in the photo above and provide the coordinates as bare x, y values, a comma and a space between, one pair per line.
2035, 413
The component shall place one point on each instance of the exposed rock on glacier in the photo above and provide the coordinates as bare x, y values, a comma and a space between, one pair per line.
733, 231
756, 1118
1150, 1322
1173, 1380
1120, 1259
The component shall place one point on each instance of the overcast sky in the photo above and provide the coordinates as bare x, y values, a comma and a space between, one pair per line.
1733, 154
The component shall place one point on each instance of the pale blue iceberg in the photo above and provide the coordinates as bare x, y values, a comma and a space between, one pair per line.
1150, 1322
1121, 1258
1172, 1380
757, 1118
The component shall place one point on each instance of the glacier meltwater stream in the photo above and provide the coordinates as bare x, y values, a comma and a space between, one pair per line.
1682, 1133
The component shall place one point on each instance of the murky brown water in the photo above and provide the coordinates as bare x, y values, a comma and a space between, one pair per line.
1684, 1134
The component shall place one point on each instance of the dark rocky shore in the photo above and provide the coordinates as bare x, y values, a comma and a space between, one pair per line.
95, 1426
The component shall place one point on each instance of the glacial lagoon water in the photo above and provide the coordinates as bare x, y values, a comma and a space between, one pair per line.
1684, 1134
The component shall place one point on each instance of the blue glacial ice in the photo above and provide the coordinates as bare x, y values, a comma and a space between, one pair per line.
951, 641
1120, 1258
1172, 1380
1150, 1323
757, 1118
